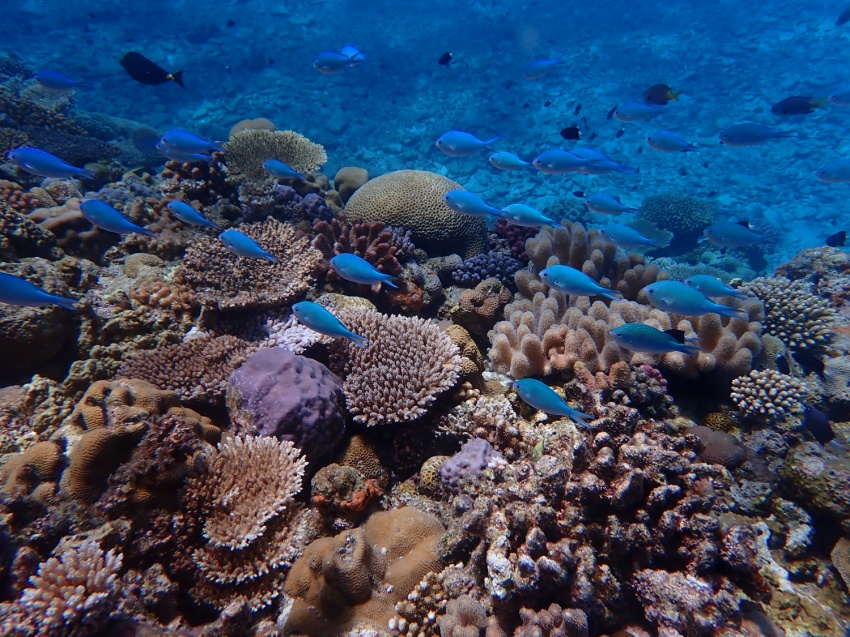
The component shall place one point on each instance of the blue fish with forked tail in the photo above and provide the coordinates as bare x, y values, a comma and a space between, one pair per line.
105, 217
322, 321
244, 246
540, 396
353, 268
38, 162
16, 291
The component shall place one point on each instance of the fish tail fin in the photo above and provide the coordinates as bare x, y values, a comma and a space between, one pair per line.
85, 172
146, 232
820, 103
674, 95
734, 312
492, 141
178, 77
392, 281
270, 257
61, 301
360, 341
614, 295
659, 243
581, 417
691, 349
787, 133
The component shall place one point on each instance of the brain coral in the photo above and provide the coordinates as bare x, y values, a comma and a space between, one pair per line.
792, 313
246, 151
768, 395
226, 281
407, 364
413, 199
358, 576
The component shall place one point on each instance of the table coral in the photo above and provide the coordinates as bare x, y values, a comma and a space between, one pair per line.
407, 364
226, 281
413, 199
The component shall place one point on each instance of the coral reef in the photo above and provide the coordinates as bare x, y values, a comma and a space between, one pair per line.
225, 281
348, 179
375, 242
413, 199
499, 265
246, 150
683, 215
407, 364
768, 395
478, 309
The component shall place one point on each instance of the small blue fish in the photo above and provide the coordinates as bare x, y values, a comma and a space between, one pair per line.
539, 68
729, 234
468, 203
322, 321
713, 287
186, 143
571, 281
749, 134
244, 246
105, 217
16, 291
542, 397
186, 158
503, 160
38, 162
528, 217
677, 298
187, 214
279, 170
460, 144
627, 237
557, 161
835, 172
668, 142
331, 62
606, 204
638, 337
353, 268
638, 111
56, 80
598, 163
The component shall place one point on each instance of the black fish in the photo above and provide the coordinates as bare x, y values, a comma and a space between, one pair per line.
577, 110
571, 132
145, 71
796, 105
678, 335
659, 94
809, 362
843, 17
782, 365
579, 194
231, 23
837, 239
547, 103
817, 423
619, 133
444, 59
611, 112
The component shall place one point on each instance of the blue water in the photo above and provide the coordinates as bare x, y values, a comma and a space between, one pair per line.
731, 60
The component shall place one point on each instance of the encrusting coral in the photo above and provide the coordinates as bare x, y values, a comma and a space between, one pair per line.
226, 281
408, 363
768, 395
413, 199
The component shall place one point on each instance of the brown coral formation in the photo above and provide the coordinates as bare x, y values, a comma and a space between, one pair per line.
226, 281
348, 179
478, 309
246, 151
373, 241
408, 363
33, 473
205, 182
414, 199
358, 576
768, 395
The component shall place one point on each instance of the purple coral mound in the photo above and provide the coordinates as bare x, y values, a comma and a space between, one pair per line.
291, 397
473, 458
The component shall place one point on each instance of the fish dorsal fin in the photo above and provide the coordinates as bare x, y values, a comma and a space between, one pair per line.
746, 224
678, 335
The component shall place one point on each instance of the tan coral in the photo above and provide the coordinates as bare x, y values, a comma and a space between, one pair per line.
34, 471
768, 395
247, 149
478, 309
260, 123
413, 199
360, 454
472, 361
348, 179
226, 281
408, 363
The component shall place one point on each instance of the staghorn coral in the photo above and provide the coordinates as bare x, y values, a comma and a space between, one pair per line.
407, 364
413, 199
74, 594
546, 335
681, 214
358, 576
197, 370
792, 313
226, 281
768, 395
246, 151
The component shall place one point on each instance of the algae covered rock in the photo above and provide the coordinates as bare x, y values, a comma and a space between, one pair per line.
820, 480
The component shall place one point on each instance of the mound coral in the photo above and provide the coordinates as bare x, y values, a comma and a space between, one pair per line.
247, 149
413, 199
768, 395
478, 309
792, 313
680, 214
358, 576
226, 281
348, 179
197, 370
494, 264
407, 364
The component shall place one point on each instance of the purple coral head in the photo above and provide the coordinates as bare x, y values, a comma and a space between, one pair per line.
473, 458
291, 397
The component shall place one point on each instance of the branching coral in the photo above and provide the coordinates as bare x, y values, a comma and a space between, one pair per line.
246, 151
413, 199
375, 242
229, 282
407, 364
792, 313
768, 395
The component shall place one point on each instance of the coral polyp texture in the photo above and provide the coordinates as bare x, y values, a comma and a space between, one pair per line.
768, 395
407, 364
792, 313
225, 281
413, 199
247, 150
677, 213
